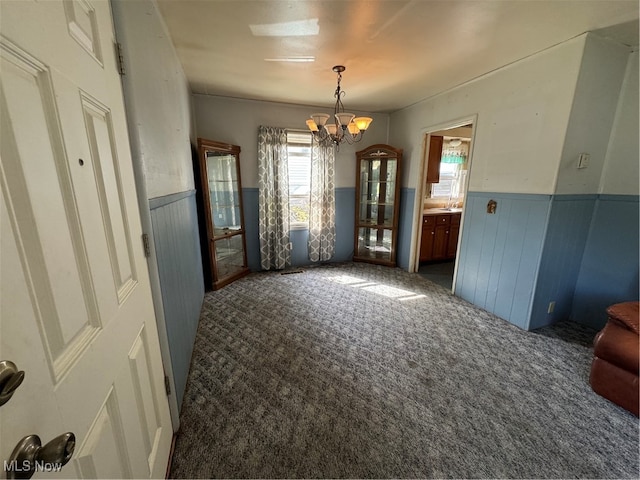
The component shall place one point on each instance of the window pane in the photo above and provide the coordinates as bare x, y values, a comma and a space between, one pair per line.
449, 173
299, 154
299, 209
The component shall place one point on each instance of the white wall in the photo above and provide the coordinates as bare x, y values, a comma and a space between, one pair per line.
161, 105
160, 121
523, 111
621, 171
236, 121
592, 115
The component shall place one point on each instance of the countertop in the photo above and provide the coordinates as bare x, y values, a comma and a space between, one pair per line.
440, 211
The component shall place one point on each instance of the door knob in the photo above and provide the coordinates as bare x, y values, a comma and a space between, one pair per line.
10, 380
30, 456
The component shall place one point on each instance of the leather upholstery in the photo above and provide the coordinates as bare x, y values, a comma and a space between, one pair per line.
615, 367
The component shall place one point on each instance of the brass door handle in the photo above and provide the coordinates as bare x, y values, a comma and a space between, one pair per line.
30, 456
10, 380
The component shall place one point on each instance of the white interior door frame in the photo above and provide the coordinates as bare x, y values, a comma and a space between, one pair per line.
425, 135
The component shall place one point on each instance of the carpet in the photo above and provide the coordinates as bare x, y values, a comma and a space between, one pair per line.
361, 371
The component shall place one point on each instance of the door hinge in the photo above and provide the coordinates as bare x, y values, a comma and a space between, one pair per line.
120, 58
167, 385
145, 243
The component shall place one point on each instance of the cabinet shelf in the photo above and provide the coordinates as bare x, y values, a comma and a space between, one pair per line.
226, 232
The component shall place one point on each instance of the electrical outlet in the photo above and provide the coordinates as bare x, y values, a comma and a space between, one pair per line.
552, 306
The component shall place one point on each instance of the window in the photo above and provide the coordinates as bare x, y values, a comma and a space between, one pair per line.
452, 182
448, 174
299, 154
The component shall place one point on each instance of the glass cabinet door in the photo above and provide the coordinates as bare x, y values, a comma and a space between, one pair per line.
220, 178
377, 204
223, 192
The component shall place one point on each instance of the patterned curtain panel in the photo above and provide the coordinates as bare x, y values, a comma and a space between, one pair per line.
273, 198
322, 211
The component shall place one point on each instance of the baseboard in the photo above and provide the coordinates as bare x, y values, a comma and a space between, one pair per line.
173, 447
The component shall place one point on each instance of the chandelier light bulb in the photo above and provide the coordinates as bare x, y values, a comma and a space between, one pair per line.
362, 122
320, 118
353, 129
312, 125
344, 119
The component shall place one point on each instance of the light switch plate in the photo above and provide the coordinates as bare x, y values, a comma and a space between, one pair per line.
583, 160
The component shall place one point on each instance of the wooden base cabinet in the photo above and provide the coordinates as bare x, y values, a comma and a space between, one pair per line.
439, 236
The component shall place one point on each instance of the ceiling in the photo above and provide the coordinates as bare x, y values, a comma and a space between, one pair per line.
396, 52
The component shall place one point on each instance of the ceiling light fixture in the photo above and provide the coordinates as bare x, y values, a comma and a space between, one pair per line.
346, 126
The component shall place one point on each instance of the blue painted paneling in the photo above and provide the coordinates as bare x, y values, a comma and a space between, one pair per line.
252, 227
609, 269
345, 217
345, 223
175, 232
564, 246
500, 253
405, 226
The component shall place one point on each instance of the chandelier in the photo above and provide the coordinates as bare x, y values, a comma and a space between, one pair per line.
346, 127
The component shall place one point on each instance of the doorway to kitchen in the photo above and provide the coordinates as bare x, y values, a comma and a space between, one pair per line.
446, 161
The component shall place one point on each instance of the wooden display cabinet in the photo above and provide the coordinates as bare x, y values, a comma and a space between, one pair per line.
219, 174
377, 204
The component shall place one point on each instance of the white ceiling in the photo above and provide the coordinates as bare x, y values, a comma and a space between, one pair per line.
397, 52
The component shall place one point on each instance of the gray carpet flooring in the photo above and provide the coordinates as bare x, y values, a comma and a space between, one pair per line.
361, 371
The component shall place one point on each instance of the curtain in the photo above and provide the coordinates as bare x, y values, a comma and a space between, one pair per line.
273, 198
322, 210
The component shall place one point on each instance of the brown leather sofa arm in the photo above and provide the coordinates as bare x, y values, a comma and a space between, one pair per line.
626, 314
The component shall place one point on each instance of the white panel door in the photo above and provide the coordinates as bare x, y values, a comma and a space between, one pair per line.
76, 311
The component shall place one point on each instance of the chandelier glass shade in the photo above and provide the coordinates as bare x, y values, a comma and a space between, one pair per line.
343, 127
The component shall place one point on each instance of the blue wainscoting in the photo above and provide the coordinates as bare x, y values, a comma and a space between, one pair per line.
345, 215
609, 270
345, 223
252, 227
564, 245
175, 232
405, 227
500, 253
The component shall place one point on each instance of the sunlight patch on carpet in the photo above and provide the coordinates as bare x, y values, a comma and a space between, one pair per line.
377, 288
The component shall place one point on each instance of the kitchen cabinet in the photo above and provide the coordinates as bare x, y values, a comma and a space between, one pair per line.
225, 257
439, 236
426, 241
377, 204
434, 157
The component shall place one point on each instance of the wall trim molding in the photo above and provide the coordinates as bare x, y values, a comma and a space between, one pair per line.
158, 202
572, 197
560, 197
609, 197
519, 196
